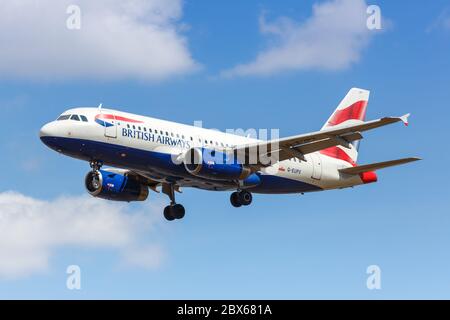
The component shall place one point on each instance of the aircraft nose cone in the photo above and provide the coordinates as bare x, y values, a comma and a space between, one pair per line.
47, 130
49, 135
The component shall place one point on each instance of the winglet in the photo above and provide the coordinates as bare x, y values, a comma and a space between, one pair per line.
404, 118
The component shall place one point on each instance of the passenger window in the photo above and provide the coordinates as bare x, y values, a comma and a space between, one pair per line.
139, 128
134, 127
149, 130
128, 126
84, 118
75, 117
145, 129
63, 117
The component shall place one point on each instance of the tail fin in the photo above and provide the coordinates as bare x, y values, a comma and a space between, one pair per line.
351, 110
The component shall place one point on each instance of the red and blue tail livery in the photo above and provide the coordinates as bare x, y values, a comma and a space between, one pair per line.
131, 155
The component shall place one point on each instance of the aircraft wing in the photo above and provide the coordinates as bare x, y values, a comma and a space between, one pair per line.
297, 146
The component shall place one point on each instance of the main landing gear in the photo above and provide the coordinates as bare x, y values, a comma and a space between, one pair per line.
174, 210
241, 198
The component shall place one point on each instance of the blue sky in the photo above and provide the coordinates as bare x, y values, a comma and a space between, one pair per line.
290, 246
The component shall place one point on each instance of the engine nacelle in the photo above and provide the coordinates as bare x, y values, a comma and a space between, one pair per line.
215, 165
114, 186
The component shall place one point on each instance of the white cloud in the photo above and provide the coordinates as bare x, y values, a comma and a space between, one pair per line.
441, 22
31, 230
118, 39
331, 39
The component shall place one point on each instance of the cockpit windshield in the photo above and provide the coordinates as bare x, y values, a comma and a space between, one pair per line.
74, 117
63, 117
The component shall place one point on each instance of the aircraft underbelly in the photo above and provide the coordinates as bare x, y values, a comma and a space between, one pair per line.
160, 167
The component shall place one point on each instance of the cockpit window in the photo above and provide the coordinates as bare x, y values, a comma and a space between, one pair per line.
83, 118
63, 117
75, 117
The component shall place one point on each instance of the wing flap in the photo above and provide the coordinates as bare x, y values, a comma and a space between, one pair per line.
376, 166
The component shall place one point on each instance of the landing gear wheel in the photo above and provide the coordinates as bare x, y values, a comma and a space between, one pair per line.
241, 198
173, 212
168, 213
245, 197
178, 211
234, 199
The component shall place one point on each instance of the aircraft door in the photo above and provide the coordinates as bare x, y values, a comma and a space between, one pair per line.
317, 166
110, 126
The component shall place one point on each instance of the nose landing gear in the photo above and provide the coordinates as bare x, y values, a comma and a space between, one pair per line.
241, 198
95, 165
95, 183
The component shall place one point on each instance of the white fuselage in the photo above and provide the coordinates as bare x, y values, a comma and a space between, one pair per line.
144, 144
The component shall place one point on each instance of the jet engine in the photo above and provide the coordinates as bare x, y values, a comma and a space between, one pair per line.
215, 165
114, 186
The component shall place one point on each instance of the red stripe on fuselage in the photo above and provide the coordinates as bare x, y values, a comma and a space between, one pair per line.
338, 153
118, 118
356, 111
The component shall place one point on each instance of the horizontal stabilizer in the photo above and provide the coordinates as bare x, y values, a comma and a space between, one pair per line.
376, 166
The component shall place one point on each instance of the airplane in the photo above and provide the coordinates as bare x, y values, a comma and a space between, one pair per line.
143, 153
